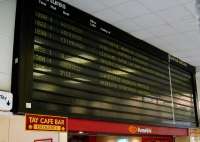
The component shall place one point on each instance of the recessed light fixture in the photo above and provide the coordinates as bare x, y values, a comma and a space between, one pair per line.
80, 132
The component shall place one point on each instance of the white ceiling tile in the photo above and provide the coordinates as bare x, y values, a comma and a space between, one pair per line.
128, 25
191, 7
131, 9
89, 6
170, 25
162, 30
194, 52
156, 5
174, 22
184, 26
142, 34
192, 60
184, 46
149, 20
108, 15
167, 39
174, 39
110, 3
193, 38
186, 1
178, 13
172, 48
195, 35
66, 1
169, 49
157, 41
197, 58
160, 43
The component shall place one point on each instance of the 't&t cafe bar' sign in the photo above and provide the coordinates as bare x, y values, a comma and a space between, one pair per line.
45, 123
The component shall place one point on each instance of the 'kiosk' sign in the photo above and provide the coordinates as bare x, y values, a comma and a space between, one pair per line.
45, 123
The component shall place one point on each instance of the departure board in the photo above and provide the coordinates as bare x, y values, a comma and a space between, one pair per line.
69, 63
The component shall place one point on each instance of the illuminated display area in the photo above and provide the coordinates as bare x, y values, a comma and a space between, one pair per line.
78, 66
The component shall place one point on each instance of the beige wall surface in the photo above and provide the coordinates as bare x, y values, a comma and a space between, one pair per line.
4, 129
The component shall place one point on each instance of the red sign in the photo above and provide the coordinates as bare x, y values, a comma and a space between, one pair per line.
92, 126
45, 123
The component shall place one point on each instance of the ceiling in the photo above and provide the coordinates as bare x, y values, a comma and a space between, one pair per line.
170, 25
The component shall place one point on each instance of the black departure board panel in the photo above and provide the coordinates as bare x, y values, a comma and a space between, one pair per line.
69, 63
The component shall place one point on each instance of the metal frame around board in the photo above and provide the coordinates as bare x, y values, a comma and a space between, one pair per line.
23, 55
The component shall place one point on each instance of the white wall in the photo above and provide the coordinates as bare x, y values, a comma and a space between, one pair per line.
7, 21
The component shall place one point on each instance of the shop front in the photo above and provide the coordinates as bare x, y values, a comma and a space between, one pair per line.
100, 131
